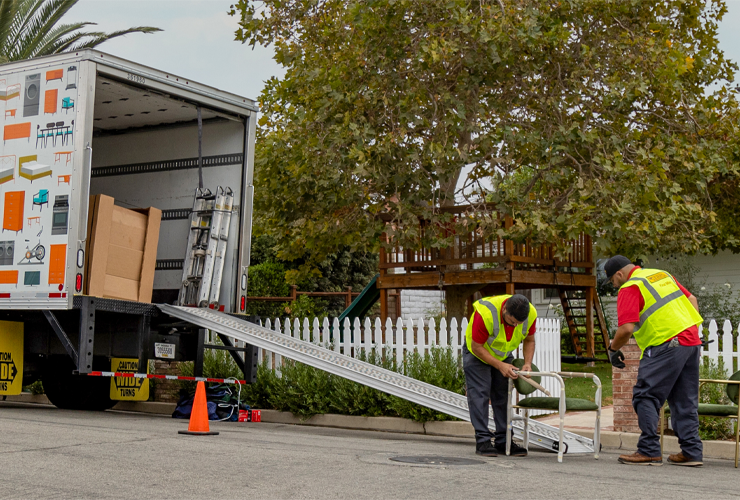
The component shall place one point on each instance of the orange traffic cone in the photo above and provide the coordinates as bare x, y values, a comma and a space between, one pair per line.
199, 416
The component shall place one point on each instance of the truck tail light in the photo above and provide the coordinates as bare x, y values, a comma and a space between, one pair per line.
243, 303
78, 283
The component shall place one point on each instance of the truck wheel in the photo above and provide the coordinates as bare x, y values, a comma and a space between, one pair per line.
74, 392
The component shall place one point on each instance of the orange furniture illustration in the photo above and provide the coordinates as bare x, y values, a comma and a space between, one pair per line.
63, 179
10, 112
17, 131
55, 74
7, 168
8, 277
13, 212
36, 219
57, 264
30, 169
50, 101
67, 154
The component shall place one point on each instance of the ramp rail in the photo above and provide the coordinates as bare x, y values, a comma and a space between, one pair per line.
390, 382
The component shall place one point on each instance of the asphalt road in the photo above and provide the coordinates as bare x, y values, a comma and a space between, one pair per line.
50, 453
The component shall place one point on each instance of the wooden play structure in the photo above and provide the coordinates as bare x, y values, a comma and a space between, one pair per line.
479, 260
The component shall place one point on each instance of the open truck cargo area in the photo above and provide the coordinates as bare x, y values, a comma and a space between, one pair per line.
84, 124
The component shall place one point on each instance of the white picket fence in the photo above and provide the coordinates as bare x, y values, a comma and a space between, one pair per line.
404, 337
730, 352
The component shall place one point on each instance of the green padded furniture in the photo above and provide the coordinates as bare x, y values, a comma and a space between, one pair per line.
732, 389
551, 403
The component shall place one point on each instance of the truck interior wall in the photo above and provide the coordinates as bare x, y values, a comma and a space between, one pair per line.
173, 189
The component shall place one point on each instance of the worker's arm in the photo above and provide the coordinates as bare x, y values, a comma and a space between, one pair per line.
624, 332
482, 353
528, 347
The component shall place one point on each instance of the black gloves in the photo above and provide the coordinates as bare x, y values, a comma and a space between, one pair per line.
616, 358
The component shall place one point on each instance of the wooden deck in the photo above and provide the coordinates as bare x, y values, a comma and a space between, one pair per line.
478, 259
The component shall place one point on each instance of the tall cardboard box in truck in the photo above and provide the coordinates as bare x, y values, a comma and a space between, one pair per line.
121, 250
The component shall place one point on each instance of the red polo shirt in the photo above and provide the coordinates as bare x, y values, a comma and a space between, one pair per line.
481, 333
630, 303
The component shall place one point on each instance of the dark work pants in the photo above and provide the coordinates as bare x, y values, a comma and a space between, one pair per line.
670, 373
484, 382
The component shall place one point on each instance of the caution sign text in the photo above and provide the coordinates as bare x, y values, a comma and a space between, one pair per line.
11, 358
128, 388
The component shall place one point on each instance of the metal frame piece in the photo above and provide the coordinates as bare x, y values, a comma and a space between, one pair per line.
363, 373
562, 446
87, 335
62, 335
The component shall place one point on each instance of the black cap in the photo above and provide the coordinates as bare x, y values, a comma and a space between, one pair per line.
615, 264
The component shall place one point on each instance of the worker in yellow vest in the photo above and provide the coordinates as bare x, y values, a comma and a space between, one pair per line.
498, 326
663, 317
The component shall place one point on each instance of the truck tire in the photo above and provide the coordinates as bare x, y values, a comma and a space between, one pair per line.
74, 392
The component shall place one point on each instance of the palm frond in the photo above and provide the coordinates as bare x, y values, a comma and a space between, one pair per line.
99, 38
29, 28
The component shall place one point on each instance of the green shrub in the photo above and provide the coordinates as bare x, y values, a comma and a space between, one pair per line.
267, 280
440, 368
351, 398
34, 388
713, 427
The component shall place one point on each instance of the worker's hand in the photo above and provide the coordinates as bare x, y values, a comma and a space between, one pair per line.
508, 371
526, 367
617, 358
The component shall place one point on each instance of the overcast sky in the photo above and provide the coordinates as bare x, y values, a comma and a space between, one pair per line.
198, 40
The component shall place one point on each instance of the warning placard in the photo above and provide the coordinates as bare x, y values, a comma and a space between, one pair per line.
11, 358
128, 388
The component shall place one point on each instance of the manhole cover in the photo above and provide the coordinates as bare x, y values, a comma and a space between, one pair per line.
436, 460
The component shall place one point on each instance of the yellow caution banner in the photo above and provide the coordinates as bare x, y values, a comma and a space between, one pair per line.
128, 388
11, 358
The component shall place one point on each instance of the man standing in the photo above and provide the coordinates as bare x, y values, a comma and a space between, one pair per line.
663, 317
497, 327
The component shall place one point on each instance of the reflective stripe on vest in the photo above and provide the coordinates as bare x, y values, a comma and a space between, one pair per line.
489, 309
496, 328
666, 316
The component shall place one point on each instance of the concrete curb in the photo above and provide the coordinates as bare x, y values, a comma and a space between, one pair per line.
609, 439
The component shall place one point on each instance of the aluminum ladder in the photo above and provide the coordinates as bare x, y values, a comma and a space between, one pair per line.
208, 237
393, 383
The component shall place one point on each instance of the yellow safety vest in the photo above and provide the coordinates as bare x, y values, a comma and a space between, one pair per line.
667, 311
490, 310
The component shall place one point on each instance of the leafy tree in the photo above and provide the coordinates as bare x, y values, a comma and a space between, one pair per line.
30, 28
585, 116
267, 278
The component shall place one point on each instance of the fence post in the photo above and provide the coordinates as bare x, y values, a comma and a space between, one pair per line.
421, 338
326, 333
278, 358
337, 339
454, 340
268, 354
347, 341
378, 338
316, 337
714, 346
399, 343
409, 335
443, 334
356, 337
727, 346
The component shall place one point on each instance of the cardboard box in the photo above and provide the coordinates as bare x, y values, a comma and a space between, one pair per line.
121, 250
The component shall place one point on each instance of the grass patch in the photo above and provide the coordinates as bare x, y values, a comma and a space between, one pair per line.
584, 388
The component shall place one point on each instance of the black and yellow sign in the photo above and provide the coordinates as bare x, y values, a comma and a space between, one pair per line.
128, 388
11, 358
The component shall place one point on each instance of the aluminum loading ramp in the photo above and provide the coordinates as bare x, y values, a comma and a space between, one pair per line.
390, 382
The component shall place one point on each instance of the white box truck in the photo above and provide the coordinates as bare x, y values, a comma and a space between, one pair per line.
87, 123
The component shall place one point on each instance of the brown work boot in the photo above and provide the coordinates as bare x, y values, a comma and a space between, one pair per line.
638, 458
680, 459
